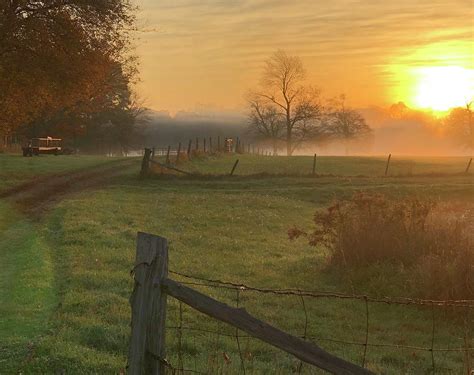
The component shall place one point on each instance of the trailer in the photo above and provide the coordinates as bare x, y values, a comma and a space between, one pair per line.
48, 145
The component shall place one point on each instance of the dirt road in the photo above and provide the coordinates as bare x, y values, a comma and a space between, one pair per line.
35, 196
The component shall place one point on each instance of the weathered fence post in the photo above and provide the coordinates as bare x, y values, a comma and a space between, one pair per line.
179, 151
388, 163
153, 153
468, 165
204, 145
233, 168
168, 155
314, 164
145, 163
147, 342
189, 148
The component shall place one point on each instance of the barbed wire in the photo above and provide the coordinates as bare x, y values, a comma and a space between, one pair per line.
301, 295
314, 338
216, 283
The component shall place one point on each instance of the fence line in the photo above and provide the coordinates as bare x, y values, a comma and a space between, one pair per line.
151, 273
240, 148
152, 285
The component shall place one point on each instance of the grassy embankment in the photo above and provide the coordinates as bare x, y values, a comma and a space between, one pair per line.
232, 229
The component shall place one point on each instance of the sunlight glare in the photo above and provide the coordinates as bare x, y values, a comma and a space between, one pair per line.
443, 87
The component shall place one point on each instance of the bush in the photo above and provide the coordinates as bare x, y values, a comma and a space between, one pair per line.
434, 243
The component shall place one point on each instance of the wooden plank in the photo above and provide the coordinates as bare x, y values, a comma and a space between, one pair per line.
241, 319
468, 166
148, 303
170, 167
233, 168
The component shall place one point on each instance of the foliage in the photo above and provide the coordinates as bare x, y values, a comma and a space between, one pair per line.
62, 63
410, 233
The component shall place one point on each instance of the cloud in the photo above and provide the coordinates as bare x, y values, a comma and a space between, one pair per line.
214, 40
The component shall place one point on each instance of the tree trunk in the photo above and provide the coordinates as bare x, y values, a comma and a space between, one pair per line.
289, 131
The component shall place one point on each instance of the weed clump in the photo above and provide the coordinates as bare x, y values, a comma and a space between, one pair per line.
431, 243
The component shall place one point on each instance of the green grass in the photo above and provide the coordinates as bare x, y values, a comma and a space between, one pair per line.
333, 165
16, 169
27, 294
232, 229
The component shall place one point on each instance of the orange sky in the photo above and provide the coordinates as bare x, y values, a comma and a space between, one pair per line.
205, 54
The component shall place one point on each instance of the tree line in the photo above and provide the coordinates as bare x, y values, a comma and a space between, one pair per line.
67, 68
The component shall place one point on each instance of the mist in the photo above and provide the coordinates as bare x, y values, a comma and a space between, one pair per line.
402, 132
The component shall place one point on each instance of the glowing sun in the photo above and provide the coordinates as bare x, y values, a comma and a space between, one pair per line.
443, 87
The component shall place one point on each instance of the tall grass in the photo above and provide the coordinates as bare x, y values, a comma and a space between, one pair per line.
433, 244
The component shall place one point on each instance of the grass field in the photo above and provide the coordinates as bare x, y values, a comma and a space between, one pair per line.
82, 250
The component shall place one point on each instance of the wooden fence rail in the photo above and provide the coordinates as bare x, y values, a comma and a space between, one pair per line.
147, 354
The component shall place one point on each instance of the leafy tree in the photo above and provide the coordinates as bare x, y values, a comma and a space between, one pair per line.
62, 61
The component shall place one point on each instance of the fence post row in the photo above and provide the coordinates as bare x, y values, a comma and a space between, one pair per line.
147, 354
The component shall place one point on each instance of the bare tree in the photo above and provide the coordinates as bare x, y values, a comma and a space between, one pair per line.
344, 122
265, 121
285, 99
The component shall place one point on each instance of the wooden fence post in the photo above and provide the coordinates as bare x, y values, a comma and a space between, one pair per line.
388, 163
147, 342
233, 168
153, 153
179, 151
204, 145
145, 163
189, 148
168, 155
314, 164
218, 143
468, 166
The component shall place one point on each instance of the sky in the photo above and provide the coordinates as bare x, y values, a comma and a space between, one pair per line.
204, 55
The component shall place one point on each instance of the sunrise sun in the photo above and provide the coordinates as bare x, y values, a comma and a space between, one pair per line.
442, 87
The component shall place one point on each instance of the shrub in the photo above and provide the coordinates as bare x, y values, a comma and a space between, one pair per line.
431, 241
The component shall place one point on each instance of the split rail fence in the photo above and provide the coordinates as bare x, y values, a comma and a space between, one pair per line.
147, 350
